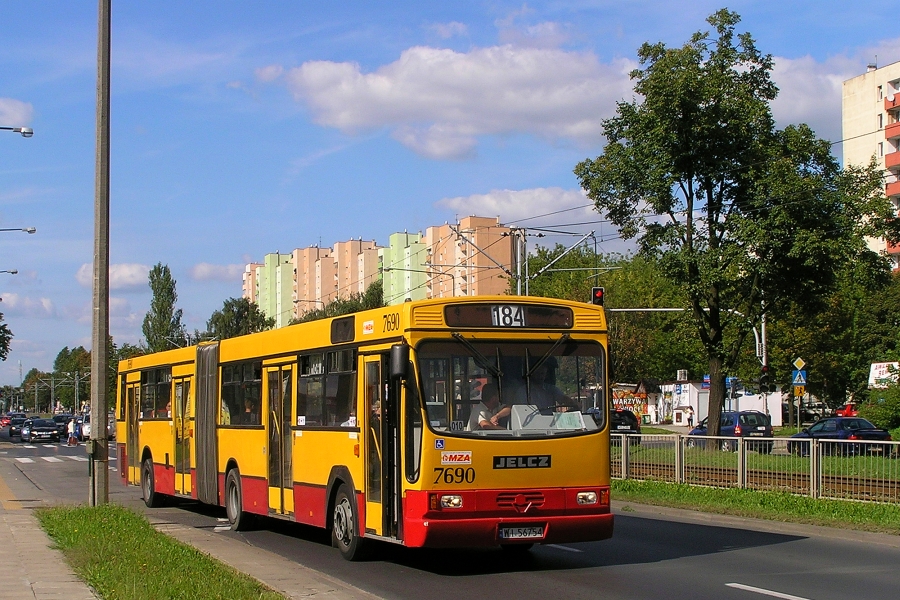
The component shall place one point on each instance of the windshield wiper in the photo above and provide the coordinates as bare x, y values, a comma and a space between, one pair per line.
480, 359
543, 359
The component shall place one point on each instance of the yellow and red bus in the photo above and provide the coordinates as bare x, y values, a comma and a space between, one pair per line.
370, 424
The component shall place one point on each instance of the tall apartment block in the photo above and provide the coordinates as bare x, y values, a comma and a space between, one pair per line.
870, 116
403, 264
287, 285
472, 258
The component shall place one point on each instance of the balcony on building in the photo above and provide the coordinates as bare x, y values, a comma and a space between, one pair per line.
892, 160
892, 189
891, 102
892, 131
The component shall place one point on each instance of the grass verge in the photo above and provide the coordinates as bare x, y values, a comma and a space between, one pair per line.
773, 506
119, 554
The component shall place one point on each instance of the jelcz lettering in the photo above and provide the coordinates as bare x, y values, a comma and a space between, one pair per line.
522, 462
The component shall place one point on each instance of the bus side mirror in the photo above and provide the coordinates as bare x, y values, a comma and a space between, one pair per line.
399, 361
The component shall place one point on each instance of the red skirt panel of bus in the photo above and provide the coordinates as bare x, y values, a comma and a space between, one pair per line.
164, 479
310, 504
485, 512
254, 494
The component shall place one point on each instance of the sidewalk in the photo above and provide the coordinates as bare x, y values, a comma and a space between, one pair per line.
30, 567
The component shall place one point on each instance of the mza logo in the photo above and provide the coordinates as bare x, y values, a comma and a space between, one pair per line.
368, 327
463, 457
522, 462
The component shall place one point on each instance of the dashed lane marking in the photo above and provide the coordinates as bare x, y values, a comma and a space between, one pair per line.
756, 590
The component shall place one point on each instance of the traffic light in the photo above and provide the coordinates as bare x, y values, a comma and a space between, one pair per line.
597, 296
764, 380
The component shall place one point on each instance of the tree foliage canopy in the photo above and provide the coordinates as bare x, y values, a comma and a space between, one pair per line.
162, 327
748, 218
6, 336
238, 316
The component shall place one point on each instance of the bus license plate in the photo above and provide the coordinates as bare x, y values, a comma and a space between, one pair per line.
521, 533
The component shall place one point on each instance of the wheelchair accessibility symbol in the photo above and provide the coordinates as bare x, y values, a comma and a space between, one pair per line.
439, 444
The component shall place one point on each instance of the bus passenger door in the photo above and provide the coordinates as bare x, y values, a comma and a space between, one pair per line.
184, 433
382, 459
281, 475
133, 395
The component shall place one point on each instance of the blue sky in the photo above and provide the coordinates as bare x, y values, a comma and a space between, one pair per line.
243, 128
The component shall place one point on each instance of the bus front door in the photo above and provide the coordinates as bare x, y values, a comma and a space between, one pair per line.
382, 458
278, 424
184, 433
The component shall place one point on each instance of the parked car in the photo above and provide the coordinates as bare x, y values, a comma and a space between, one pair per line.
746, 423
39, 429
4, 420
62, 423
85, 429
850, 409
622, 420
15, 426
841, 428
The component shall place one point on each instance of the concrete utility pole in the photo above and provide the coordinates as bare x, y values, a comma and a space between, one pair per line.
98, 446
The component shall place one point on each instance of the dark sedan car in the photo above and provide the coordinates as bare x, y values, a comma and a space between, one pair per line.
746, 423
15, 427
841, 428
34, 430
62, 423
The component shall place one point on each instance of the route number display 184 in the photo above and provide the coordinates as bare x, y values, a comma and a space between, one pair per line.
507, 315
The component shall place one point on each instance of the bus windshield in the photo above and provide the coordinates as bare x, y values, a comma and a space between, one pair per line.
508, 389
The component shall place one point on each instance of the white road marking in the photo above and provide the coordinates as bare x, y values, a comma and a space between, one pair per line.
78, 458
221, 528
558, 547
51, 459
222, 519
750, 588
24, 460
28, 446
49, 445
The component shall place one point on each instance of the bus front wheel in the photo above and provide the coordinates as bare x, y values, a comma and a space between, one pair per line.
345, 525
148, 485
234, 502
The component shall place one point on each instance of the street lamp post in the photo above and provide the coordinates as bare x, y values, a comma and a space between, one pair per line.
25, 229
25, 131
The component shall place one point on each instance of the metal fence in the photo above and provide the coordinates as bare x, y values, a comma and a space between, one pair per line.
843, 469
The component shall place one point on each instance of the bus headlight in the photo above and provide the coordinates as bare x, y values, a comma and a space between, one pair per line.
586, 498
451, 501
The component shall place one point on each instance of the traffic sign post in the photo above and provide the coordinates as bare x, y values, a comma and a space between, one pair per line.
798, 382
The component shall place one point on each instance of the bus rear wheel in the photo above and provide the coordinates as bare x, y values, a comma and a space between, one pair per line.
148, 485
234, 502
345, 525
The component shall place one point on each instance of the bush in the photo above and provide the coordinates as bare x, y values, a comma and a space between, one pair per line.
883, 407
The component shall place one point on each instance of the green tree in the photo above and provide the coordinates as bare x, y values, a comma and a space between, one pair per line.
238, 316
6, 337
373, 297
748, 218
70, 369
162, 327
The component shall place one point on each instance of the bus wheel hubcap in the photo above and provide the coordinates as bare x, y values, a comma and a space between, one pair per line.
342, 521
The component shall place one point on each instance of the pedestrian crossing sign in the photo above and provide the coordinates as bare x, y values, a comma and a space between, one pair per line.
799, 378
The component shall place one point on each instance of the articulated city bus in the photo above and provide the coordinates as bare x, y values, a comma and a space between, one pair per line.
457, 422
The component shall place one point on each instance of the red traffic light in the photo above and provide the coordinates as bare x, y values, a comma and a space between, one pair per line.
597, 296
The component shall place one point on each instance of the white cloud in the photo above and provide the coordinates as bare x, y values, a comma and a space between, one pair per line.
438, 101
448, 30
208, 272
15, 113
810, 92
121, 276
269, 73
15, 304
517, 205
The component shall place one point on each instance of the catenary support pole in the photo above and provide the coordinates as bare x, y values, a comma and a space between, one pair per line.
98, 445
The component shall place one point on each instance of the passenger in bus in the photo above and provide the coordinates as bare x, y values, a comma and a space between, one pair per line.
251, 416
483, 414
541, 391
